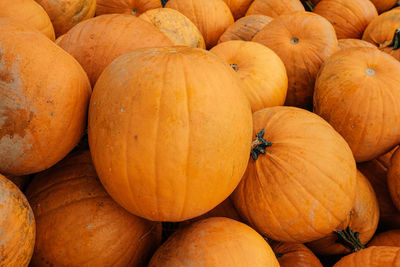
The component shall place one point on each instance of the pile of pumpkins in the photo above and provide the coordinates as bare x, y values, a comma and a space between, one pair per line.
199, 133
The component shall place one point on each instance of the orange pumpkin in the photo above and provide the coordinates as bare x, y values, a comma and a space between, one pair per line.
283, 192
354, 95
215, 242
372, 256
43, 105
349, 18
238, 7
29, 13
17, 226
96, 42
303, 41
159, 99
389, 238
178, 28
130, 7
78, 224
384, 32
274, 8
363, 219
261, 70
245, 28
212, 17
384, 5
393, 179
65, 14
295, 255
350, 43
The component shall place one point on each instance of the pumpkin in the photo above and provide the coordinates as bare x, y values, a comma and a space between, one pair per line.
29, 13
384, 32
261, 70
389, 238
78, 224
393, 179
65, 14
238, 7
386, 158
283, 192
372, 256
178, 28
130, 7
44, 100
58, 40
356, 92
349, 18
245, 28
96, 42
384, 5
17, 226
153, 103
363, 219
303, 41
295, 255
211, 17
20, 181
274, 8
350, 43
215, 242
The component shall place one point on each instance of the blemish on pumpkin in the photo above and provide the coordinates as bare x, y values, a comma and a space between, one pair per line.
134, 11
370, 71
136, 137
122, 110
294, 40
89, 226
51, 113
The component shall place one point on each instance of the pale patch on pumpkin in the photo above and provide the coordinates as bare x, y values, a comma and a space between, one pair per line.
13, 150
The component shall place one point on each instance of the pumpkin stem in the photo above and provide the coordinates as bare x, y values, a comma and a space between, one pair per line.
396, 40
234, 66
278, 255
163, 2
259, 145
308, 6
350, 239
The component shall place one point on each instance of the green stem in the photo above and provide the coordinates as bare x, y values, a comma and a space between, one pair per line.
350, 239
163, 2
396, 40
308, 6
259, 145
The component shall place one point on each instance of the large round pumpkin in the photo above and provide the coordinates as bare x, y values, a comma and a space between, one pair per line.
238, 7
303, 41
96, 42
349, 18
393, 179
295, 255
381, 256
130, 7
178, 28
363, 219
65, 14
17, 226
261, 70
356, 92
78, 224
284, 193
389, 238
211, 17
215, 242
29, 13
169, 131
43, 104
245, 28
351, 43
274, 8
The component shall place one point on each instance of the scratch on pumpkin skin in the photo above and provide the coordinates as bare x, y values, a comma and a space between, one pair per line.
312, 213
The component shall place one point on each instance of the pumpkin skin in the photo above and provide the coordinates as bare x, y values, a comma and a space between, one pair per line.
212, 17
42, 113
349, 18
393, 179
29, 13
286, 177
381, 30
274, 8
238, 7
389, 238
78, 224
96, 42
262, 72
215, 242
245, 28
363, 219
295, 255
372, 256
368, 79
178, 28
303, 41
383, 5
17, 226
350, 43
190, 81
65, 14
130, 7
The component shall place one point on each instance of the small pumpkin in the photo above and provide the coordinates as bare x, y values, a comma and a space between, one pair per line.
372, 256
283, 192
261, 70
238, 7
389, 238
17, 226
215, 242
303, 41
130, 7
350, 43
212, 17
245, 28
274, 8
295, 255
393, 179
178, 28
356, 92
